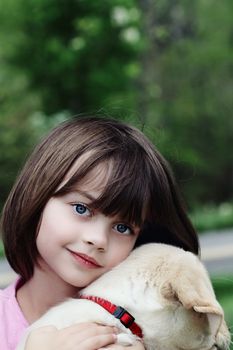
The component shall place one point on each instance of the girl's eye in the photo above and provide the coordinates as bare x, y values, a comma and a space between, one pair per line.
123, 229
82, 209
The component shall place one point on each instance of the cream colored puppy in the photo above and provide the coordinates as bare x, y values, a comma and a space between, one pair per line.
166, 290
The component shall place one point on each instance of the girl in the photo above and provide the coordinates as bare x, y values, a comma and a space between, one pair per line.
91, 191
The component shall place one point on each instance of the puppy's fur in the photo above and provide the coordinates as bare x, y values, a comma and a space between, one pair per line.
166, 289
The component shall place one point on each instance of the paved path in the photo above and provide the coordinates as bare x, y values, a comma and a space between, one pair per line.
216, 248
217, 252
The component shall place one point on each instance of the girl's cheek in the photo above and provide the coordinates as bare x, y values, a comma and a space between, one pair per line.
121, 251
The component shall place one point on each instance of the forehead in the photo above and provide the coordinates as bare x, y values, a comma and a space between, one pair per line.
95, 179
119, 186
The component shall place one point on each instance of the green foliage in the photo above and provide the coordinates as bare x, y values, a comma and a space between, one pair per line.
223, 287
194, 98
208, 218
16, 138
1, 249
73, 52
165, 65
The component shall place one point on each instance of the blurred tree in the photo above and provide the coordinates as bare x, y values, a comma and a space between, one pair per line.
170, 61
57, 59
16, 103
75, 53
187, 92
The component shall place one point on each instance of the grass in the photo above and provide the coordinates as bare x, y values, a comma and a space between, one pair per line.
210, 217
223, 287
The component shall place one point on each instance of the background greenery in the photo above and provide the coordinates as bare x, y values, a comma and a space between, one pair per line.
223, 287
165, 66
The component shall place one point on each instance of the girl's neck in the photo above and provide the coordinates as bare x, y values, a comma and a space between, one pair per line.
41, 292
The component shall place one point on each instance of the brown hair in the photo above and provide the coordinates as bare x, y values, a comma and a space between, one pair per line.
140, 187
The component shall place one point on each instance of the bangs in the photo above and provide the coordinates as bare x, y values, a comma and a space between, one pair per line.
125, 192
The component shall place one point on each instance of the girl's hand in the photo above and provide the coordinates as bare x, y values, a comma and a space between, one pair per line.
82, 336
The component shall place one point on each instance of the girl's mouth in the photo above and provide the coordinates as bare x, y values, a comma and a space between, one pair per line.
85, 260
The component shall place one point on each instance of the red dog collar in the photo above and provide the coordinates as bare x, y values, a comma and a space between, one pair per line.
119, 312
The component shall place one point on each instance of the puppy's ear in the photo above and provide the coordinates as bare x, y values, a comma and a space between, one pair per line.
196, 296
192, 291
214, 318
187, 282
208, 309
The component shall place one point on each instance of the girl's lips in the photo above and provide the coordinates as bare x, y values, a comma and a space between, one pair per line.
85, 260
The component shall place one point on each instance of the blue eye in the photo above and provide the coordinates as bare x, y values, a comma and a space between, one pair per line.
123, 229
81, 209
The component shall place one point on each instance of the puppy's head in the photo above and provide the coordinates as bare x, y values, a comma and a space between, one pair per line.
184, 312
196, 315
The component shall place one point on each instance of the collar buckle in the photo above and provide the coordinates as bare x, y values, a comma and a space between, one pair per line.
124, 316
118, 312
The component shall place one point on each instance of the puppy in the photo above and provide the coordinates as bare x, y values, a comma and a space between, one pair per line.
165, 289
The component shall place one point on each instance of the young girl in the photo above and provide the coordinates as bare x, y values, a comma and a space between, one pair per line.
91, 191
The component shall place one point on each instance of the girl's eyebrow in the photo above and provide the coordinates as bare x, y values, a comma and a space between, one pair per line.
85, 194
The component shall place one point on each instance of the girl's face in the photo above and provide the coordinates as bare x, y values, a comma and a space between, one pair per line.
78, 243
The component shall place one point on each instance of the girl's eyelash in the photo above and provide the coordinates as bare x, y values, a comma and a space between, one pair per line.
129, 227
91, 213
84, 206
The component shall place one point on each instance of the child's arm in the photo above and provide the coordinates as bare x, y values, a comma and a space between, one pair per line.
136, 346
82, 336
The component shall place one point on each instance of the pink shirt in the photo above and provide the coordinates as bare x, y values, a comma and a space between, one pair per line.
12, 321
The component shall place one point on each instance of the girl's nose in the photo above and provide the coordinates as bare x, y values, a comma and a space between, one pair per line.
97, 235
